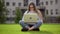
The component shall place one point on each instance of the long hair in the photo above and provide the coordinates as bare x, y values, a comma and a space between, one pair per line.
33, 7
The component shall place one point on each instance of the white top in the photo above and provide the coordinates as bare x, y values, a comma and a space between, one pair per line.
31, 12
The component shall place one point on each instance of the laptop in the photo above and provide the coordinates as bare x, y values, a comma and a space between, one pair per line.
31, 18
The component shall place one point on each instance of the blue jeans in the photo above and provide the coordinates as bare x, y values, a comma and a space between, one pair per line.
37, 25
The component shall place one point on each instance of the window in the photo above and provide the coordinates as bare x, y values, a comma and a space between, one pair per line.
37, 2
13, 4
10, 18
56, 1
7, 3
13, 12
7, 13
7, 19
46, 2
25, 2
51, 11
19, 4
51, 2
47, 12
42, 3
56, 11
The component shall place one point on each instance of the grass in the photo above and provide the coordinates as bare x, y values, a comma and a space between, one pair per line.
16, 29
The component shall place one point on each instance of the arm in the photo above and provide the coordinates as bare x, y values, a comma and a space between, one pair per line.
40, 15
24, 14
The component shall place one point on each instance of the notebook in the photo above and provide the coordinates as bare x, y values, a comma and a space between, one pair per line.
31, 18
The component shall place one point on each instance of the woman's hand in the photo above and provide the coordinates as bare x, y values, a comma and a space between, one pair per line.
31, 28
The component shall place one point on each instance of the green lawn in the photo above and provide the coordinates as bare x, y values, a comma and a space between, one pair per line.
16, 29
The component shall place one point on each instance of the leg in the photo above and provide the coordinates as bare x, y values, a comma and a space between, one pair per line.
25, 26
35, 29
37, 25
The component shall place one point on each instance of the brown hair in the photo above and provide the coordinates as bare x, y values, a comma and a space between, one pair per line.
33, 6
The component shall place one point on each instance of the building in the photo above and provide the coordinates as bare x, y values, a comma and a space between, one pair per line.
52, 8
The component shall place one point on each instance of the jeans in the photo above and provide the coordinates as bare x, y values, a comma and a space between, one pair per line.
25, 25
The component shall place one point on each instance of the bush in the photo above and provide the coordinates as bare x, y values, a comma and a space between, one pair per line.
2, 12
18, 15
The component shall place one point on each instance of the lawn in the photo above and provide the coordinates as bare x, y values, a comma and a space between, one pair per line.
16, 29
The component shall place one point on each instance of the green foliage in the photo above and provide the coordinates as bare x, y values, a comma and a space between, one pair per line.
18, 15
2, 11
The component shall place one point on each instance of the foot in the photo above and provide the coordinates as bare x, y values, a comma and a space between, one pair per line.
37, 29
24, 29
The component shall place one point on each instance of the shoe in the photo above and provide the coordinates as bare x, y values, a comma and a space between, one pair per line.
24, 29
37, 29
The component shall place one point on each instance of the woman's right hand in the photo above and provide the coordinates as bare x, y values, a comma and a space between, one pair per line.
31, 28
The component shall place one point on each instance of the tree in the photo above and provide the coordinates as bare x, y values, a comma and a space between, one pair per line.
18, 15
2, 11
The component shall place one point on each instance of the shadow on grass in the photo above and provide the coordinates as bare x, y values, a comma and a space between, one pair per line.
40, 32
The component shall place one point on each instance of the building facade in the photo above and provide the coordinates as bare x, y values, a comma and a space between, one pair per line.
49, 8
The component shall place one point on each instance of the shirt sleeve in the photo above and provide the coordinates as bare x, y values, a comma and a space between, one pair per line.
24, 14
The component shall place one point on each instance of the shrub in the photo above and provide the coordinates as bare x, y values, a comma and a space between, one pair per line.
18, 15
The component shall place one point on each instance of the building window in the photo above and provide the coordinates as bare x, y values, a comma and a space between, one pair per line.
37, 2
7, 13
19, 4
51, 2
51, 11
42, 3
25, 2
56, 1
13, 12
47, 12
46, 2
13, 3
7, 3
10, 18
56, 11
7, 19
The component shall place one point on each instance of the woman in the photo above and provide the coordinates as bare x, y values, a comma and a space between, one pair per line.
32, 9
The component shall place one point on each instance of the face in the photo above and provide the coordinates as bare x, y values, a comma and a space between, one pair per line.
31, 7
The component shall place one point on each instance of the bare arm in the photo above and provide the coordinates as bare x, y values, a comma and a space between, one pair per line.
40, 14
